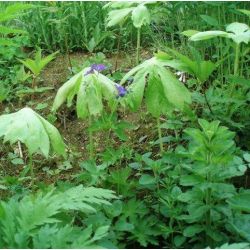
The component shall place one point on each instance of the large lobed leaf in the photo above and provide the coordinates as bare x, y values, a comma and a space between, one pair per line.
171, 90
33, 130
91, 90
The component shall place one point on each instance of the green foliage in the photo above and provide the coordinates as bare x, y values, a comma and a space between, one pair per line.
120, 11
238, 32
40, 220
198, 68
162, 92
33, 130
91, 91
37, 64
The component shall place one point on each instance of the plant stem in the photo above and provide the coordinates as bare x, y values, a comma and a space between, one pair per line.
118, 47
138, 45
91, 140
31, 170
160, 135
236, 60
208, 201
236, 69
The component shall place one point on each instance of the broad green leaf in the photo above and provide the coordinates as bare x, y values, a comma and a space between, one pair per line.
118, 16
241, 224
240, 202
246, 157
31, 129
82, 103
140, 16
147, 179
179, 240
155, 99
239, 32
94, 94
70, 88
192, 230
136, 91
208, 35
175, 91
56, 140
190, 180
247, 12
210, 20
237, 28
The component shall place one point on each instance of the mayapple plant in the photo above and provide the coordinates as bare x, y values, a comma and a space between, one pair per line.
162, 91
37, 64
139, 14
93, 89
38, 135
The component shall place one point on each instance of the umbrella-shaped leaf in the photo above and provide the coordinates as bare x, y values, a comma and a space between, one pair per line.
140, 16
91, 88
175, 92
31, 129
239, 32
118, 16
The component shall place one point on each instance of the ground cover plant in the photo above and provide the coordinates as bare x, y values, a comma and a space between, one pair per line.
124, 125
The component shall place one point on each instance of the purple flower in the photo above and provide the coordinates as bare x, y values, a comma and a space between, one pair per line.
96, 67
121, 90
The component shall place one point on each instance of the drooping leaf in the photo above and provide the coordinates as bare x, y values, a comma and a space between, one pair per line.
91, 89
140, 16
118, 16
31, 129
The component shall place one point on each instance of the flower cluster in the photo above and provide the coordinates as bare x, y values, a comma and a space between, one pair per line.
121, 90
96, 67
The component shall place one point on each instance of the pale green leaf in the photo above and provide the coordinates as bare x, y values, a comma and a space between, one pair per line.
208, 35
118, 16
140, 16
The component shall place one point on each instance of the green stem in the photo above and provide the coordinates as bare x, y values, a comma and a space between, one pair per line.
236, 69
208, 202
91, 140
160, 135
236, 60
31, 170
118, 47
138, 45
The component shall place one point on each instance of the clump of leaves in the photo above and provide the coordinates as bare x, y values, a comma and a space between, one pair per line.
212, 152
37, 64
